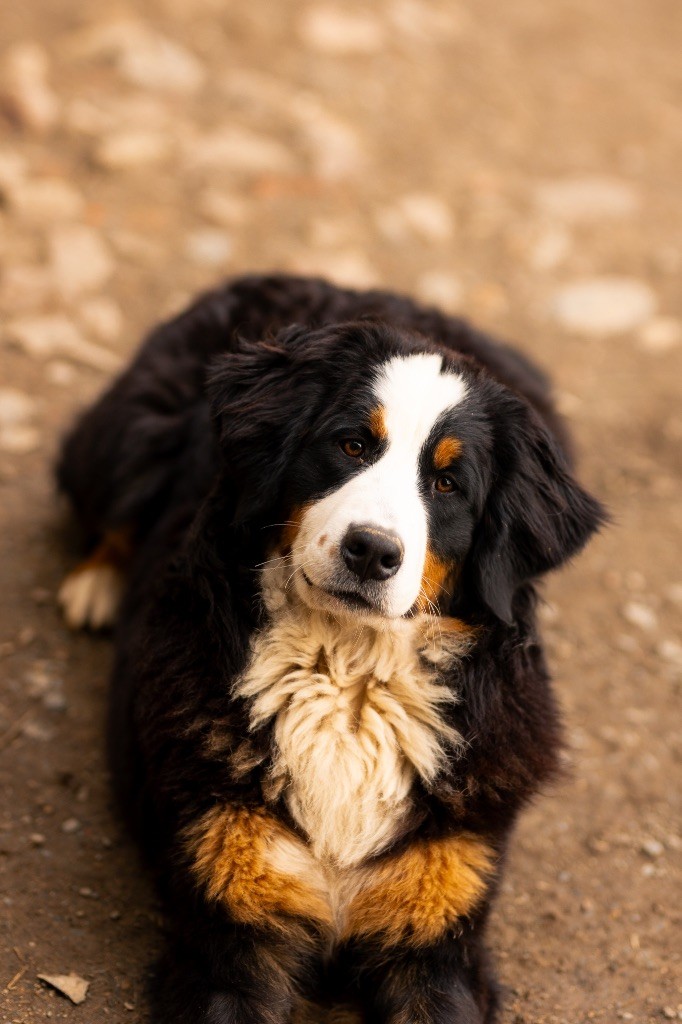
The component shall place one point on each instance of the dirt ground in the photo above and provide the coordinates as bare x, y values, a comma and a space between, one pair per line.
517, 162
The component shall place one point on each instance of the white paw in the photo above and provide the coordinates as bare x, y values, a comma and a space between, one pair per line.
90, 596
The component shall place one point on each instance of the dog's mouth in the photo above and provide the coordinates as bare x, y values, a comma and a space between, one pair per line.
350, 598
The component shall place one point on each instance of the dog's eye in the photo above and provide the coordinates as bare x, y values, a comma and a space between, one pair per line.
445, 484
352, 447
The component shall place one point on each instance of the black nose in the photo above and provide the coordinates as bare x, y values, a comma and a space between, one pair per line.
370, 553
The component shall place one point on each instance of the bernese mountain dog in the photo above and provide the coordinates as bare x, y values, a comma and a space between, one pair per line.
319, 516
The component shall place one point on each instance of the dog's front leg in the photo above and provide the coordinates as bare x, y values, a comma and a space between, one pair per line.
250, 921
220, 972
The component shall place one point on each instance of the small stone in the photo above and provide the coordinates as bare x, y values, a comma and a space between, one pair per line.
652, 848
671, 650
70, 826
549, 249
55, 702
335, 147
24, 91
59, 372
126, 150
674, 592
428, 216
44, 336
102, 316
221, 208
46, 200
669, 1013
37, 839
19, 440
70, 985
79, 259
439, 288
87, 893
605, 305
640, 615
334, 30
208, 247
660, 335
590, 198
15, 407
154, 62
37, 731
238, 149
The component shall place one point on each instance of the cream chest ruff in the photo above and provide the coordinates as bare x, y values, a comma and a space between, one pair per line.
358, 714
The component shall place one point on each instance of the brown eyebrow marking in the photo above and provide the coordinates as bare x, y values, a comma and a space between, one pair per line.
377, 423
446, 451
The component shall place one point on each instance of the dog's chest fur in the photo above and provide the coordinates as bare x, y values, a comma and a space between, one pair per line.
358, 714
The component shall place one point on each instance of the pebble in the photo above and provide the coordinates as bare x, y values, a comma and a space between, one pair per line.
239, 150
102, 316
154, 62
333, 30
221, 208
549, 249
24, 92
54, 334
335, 148
208, 247
126, 150
587, 198
440, 288
37, 839
16, 408
671, 650
660, 335
604, 305
640, 615
652, 848
45, 200
59, 372
80, 261
72, 986
70, 825
428, 216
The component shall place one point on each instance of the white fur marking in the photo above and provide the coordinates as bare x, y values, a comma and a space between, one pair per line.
90, 597
413, 393
358, 714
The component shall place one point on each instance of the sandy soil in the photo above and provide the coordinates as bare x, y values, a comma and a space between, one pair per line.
489, 156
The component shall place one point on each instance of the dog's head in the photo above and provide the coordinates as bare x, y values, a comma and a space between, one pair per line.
388, 475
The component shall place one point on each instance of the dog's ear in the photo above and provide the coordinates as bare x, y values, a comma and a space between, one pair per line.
536, 515
262, 397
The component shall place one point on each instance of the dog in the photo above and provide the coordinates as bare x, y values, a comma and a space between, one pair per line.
319, 517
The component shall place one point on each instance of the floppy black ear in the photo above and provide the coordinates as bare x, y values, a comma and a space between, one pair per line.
536, 515
262, 398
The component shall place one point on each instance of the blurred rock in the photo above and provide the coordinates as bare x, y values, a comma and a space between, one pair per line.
237, 149
660, 335
127, 150
586, 198
222, 208
440, 288
334, 30
49, 335
24, 90
428, 216
102, 316
79, 259
604, 305
12, 168
208, 247
640, 615
335, 147
45, 200
24, 288
153, 62
15, 407
549, 249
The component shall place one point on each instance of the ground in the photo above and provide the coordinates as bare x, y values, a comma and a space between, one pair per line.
518, 163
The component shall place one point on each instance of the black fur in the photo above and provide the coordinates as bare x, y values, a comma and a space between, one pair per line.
216, 431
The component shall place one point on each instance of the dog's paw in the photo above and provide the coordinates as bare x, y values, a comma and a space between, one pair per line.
90, 596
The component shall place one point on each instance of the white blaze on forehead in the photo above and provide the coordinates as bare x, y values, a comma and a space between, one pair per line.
414, 393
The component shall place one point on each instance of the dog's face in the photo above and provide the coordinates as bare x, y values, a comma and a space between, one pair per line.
385, 499
395, 475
